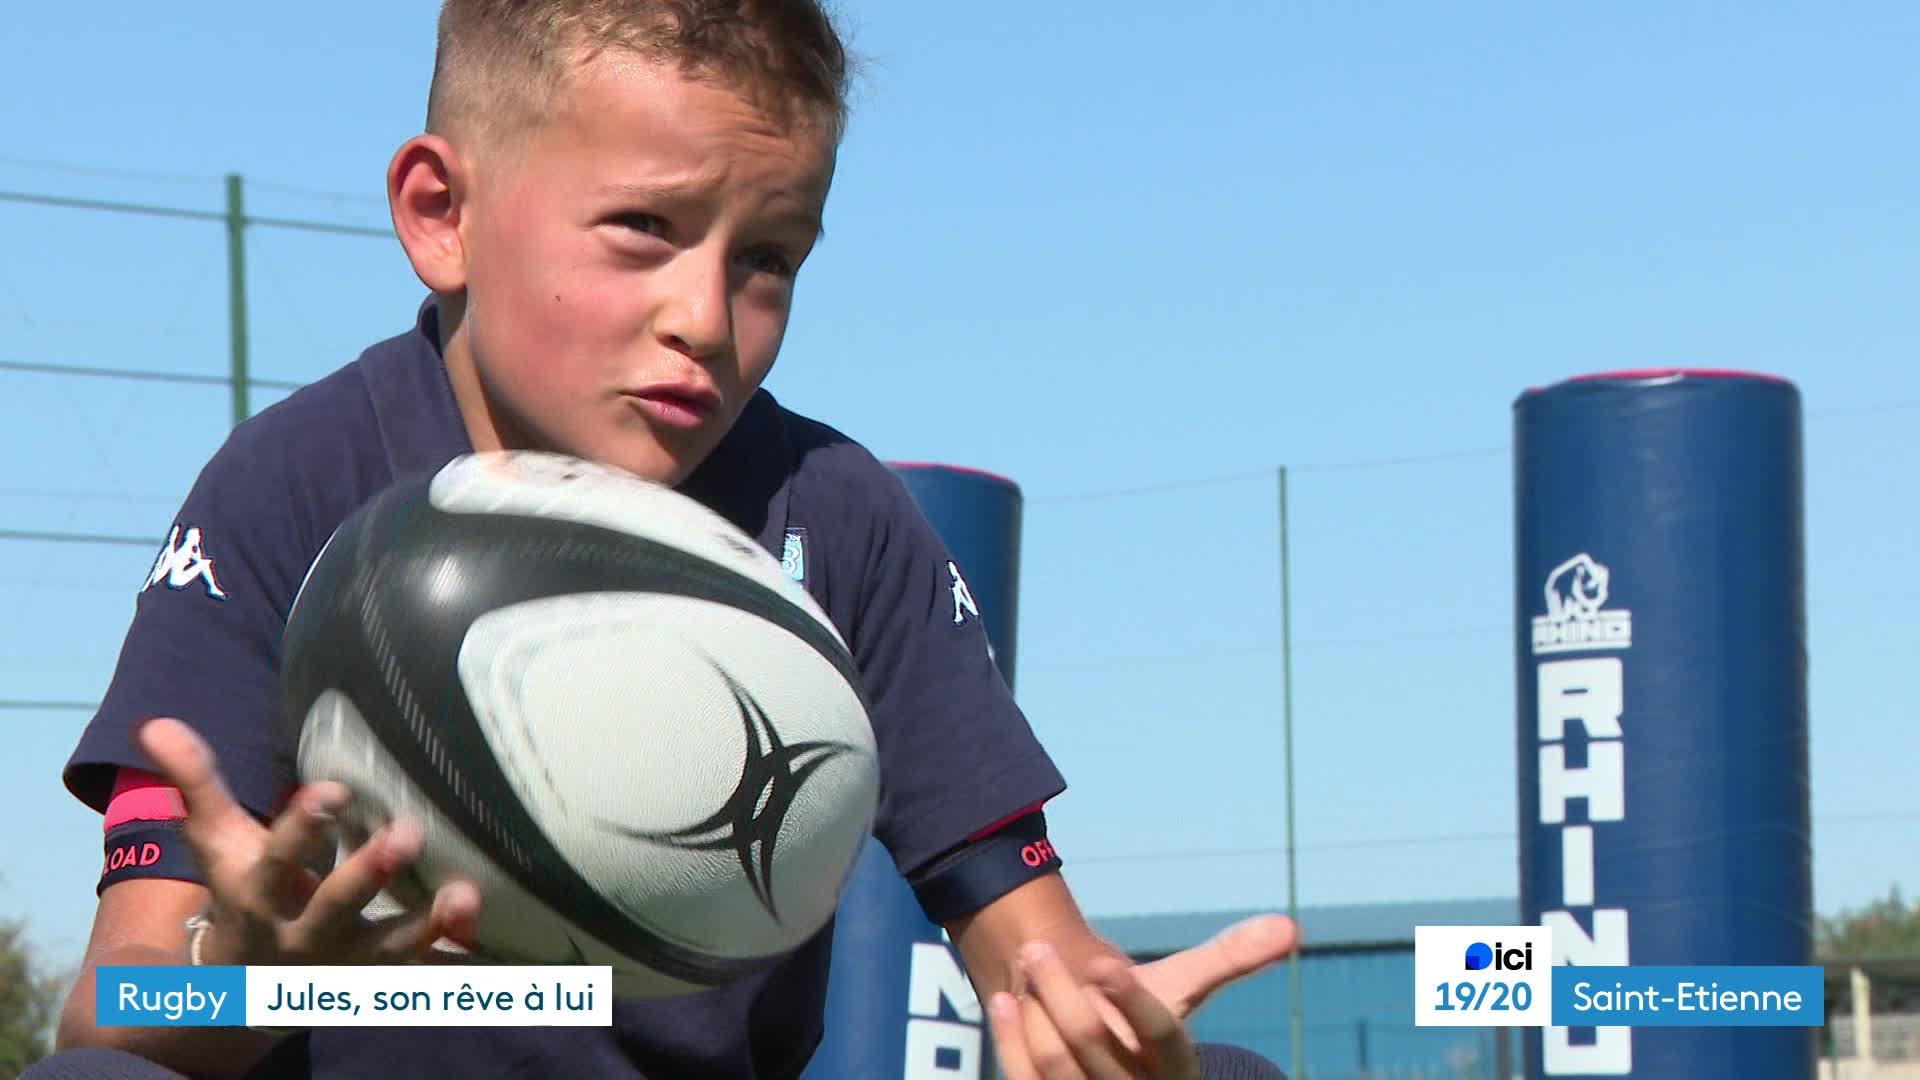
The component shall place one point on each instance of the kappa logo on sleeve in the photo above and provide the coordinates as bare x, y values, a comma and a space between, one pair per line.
182, 561
963, 604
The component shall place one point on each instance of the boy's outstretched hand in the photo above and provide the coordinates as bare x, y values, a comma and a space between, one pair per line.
1124, 1021
265, 905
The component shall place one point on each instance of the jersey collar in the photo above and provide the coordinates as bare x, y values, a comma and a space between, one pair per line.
413, 404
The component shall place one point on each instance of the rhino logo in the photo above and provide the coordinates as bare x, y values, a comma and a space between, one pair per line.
1576, 589
1577, 618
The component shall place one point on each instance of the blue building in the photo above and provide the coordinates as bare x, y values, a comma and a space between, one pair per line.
1356, 983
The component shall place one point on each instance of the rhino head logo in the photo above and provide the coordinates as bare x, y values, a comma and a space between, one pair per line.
1576, 589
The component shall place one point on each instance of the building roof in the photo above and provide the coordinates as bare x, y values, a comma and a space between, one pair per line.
1883, 970
1324, 928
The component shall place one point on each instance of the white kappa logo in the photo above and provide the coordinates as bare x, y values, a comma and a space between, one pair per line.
183, 561
1577, 618
963, 604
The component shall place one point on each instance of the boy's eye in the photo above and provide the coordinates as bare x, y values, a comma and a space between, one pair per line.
768, 261
638, 222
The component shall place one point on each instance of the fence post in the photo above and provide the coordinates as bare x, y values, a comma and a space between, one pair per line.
237, 294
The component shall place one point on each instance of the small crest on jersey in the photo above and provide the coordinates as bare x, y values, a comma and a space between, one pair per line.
182, 561
793, 555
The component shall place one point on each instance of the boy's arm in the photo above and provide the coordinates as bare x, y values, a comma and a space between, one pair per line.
990, 939
961, 766
1079, 1002
266, 906
143, 921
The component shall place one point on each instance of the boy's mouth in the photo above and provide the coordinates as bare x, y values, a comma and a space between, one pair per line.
679, 405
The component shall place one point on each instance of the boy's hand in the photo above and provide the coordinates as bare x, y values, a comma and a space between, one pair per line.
1124, 1021
1063, 1029
266, 906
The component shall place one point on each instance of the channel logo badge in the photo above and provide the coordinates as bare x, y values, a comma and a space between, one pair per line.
1482, 976
1481, 956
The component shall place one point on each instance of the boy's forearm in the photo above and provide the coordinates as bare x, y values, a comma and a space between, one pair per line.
1041, 910
199, 1052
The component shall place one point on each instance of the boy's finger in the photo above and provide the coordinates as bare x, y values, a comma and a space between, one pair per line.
281, 872
1116, 1020
334, 909
455, 909
456, 912
1163, 1038
1063, 1027
1234, 953
1050, 1054
1010, 1038
183, 759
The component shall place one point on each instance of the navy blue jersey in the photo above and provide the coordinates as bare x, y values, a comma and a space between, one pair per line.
956, 754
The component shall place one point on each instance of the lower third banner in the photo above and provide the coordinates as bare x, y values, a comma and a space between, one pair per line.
434, 995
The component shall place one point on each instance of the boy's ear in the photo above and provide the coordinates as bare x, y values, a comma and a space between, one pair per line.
426, 190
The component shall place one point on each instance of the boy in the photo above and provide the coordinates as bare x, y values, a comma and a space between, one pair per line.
609, 208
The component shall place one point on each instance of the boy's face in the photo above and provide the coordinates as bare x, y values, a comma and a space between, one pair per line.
630, 268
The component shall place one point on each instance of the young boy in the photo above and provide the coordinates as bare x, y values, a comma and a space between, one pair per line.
609, 208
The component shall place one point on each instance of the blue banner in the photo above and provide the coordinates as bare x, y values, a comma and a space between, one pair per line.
1689, 996
354, 995
170, 996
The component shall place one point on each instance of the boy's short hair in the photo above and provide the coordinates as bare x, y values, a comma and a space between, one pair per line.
499, 62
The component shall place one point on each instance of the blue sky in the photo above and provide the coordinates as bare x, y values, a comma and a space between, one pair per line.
1133, 261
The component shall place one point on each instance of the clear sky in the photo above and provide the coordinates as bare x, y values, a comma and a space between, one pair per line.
1134, 257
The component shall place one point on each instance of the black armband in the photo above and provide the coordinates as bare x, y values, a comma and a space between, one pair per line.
148, 849
974, 874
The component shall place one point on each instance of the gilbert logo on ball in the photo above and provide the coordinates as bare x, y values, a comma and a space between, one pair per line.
748, 823
606, 705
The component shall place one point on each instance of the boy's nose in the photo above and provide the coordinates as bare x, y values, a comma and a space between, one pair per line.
696, 318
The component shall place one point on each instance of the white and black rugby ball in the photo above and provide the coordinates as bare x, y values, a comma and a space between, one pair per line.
604, 704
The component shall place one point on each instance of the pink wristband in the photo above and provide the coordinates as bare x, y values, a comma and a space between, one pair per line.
141, 796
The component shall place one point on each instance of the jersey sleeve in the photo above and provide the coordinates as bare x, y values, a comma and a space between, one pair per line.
957, 755
206, 627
